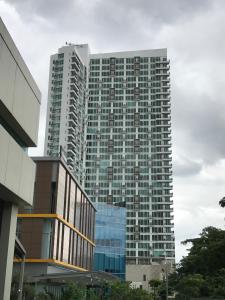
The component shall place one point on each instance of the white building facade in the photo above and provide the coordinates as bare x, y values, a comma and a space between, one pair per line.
66, 106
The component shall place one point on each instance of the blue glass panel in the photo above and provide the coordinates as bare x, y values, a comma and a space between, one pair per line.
110, 230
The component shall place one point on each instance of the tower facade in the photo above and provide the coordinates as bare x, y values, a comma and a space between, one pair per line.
66, 106
128, 157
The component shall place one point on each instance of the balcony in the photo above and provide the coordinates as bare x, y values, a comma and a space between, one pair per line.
166, 79
73, 93
73, 86
72, 104
75, 66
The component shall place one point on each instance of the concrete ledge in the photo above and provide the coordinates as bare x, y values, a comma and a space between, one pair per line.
18, 58
19, 95
17, 172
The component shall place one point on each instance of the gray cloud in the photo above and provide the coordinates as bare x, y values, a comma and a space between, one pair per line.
200, 122
121, 23
159, 10
186, 167
45, 9
110, 25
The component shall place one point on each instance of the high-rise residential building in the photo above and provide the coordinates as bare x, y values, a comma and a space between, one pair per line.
127, 145
19, 117
66, 106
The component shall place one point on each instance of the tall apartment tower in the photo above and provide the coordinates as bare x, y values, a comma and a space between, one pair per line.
126, 121
66, 104
129, 147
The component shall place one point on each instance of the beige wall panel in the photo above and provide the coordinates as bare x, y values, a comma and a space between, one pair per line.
4, 145
17, 172
26, 188
26, 106
135, 273
18, 58
7, 77
18, 90
14, 165
1, 45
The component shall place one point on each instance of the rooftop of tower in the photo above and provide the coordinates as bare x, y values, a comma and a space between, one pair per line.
121, 54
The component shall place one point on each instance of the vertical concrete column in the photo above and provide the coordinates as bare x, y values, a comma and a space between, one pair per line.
7, 244
46, 239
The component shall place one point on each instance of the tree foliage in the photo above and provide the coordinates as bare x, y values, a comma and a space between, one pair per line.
44, 296
155, 286
202, 272
115, 291
74, 292
222, 202
206, 255
122, 291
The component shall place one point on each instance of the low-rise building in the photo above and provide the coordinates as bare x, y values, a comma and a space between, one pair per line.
140, 276
58, 231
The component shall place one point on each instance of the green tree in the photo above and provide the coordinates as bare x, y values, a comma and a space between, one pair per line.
119, 291
74, 292
216, 284
206, 255
139, 294
44, 296
28, 291
202, 272
190, 286
155, 284
91, 295
122, 291
222, 202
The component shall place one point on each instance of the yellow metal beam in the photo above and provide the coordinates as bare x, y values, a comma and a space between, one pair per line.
50, 261
42, 216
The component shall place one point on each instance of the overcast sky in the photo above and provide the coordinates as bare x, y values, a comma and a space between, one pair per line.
194, 33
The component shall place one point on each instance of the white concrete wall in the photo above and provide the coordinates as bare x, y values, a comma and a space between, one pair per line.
18, 90
17, 170
19, 114
135, 274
